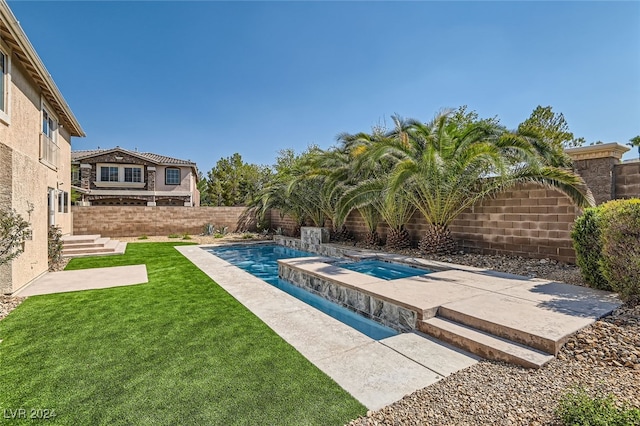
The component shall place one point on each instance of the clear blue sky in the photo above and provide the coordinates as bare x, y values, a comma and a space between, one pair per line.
202, 80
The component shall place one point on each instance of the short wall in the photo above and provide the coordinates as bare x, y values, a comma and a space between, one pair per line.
134, 221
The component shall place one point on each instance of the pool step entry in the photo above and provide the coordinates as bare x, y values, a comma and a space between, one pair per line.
483, 343
90, 245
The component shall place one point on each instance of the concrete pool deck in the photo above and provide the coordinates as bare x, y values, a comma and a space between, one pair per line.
499, 313
377, 373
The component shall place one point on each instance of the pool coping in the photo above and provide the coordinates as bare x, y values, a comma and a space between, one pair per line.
377, 373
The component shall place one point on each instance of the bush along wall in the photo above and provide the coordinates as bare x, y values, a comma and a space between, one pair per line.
586, 243
607, 244
620, 237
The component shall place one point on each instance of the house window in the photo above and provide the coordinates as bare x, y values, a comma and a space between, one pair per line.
133, 174
108, 174
63, 202
3, 73
172, 177
48, 125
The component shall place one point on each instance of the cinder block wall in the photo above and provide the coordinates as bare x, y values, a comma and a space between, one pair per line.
528, 221
134, 221
627, 180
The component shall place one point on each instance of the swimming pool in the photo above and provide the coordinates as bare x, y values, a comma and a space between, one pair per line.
384, 270
261, 261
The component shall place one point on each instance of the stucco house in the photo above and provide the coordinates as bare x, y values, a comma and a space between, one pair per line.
121, 177
36, 127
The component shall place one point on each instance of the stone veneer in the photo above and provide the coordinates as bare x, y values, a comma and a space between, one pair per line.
328, 250
340, 292
382, 311
314, 235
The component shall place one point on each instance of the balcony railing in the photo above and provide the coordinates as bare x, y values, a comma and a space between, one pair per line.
49, 151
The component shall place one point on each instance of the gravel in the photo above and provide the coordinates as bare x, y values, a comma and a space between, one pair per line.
603, 359
8, 304
501, 394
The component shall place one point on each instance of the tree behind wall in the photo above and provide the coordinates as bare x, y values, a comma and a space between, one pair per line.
232, 182
550, 126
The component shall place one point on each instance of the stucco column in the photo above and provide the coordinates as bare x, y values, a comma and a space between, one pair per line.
595, 163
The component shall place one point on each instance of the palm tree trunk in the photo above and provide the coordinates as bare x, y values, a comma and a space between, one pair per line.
438, 240
372, 239
398, 239
343, 235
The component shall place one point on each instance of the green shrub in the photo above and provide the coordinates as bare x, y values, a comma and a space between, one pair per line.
54, 247
586, 243
247, 236
143, 237
174, 235
186, 237
208, 229
620, 238
14, 231
218, 235
578, 408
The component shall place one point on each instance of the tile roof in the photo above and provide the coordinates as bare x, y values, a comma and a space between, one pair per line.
150, 156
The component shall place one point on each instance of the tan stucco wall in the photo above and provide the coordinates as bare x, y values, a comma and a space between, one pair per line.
30, 178
185, 179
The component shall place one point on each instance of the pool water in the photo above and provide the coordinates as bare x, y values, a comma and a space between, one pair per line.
261, 261
383, 270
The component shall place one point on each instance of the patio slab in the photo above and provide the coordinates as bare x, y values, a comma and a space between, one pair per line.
436, 355
423, 294
85, 279
566, 298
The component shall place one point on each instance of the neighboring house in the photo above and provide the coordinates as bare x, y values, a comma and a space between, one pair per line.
129, 178
36, 126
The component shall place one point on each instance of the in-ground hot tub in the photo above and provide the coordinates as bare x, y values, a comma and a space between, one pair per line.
382, 269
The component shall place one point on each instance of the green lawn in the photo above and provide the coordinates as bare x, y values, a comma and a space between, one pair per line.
177, 350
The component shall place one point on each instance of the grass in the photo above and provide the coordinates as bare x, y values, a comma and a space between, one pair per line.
177, 350
578, 408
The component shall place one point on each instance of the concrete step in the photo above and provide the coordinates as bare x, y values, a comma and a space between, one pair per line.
79, 239
524, 337
99, 242
483, 344
112, 247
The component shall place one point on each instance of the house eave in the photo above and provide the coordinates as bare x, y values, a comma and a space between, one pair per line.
11, 33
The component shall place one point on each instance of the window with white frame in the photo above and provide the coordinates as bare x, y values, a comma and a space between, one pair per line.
49, 125
172, 176
108, 174
3, 83
129, 173
49, 150
63, 202
133, 174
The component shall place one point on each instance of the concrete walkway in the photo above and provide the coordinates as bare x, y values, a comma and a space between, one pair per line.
85, 279
377, 373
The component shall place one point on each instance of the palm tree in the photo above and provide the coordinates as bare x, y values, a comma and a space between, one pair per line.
278, 194
444, 167
369, 194
635, 141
